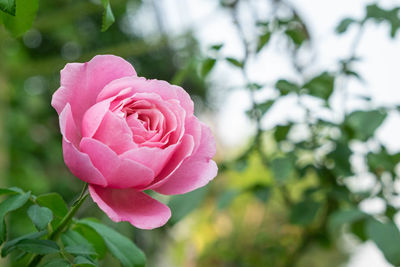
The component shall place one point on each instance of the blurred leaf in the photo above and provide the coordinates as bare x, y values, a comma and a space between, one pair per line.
262, 107
226, 198
56, 204
263, 40
321, 86
391, 16
10, 191
297, 35
40, 216
341, 157
285, 87
81, 261
282, 168
387, 237
8, 6
9, 246
80, 250
37, 246
364, 123
262, 192
182, 205
24, 15
57, 262
207, 66
341, 217
92, 237
235, 62
216, 47
10, 204
281, 132
121, 247
304, 212
382, 161
344, 25
108, 16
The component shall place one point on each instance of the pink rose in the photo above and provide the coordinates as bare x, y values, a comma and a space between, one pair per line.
123, 134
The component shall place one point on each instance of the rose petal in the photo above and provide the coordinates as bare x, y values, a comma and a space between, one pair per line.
196, 171
82, 82
115, 133
141, 85
80, 165
68, 127
119, 172
131, 205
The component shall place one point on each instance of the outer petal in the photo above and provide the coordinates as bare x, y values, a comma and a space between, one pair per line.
130, 205
82, 82
80, 165
196, 171
141, 85
119, 173
68, 127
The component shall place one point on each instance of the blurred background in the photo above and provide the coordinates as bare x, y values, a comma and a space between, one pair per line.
303, 99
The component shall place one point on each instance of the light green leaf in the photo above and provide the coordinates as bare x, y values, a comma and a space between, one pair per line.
56, 204
40, 216
8, 6
341, 217
364, 123
121, 247
23, 19
226, 198
282, 168
94, 239
344, 25
108, 16
207, 65
182, 205
38, 246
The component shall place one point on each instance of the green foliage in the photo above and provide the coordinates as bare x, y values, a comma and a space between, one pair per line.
321, 86
286, 87
304, 212
108, 16
40, 216
389, 15
344, 25
235, 62
207, 66
37, 246
22, 20
8, 6
363, 124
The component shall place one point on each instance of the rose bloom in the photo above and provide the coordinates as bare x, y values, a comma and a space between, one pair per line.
124, 134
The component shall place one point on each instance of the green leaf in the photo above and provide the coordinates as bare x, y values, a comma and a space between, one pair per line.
226, 198
93, 238
262, 192
24, 16
81, 261
108, 16
10, 191
321, 86
182, 205
390, 15
8, 6
364, 123
263, 40
344, 25
341, 217
341, 158
235, 62
40, 216
285, 87
121, 247
207, 66
282, 168
304, 212
9, 246
80, 250
38, 246
10, 204
281, 132
297, 35
57, 262
56, 204
216, 47
387, 237
72, 238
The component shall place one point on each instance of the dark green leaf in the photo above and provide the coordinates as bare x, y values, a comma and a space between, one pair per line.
57, 262
226, 198
182, 205
304, 212
81, 261
262, 192
321, 86
364, 123
263, 40
40, 216
281, 132
297, 35
341, 217
24, 15
92, 237
10, 204
341, 158
56, 204
235, 62
38, 246
216, 47
207, 66
390, 15
282, 168
72, 238
387, 237
80, 250
344, 25
265, 106
10, 191
9, 246
285, 87
108, 16
8, 6
121, 247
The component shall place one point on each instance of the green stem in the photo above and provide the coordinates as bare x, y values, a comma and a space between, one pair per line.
64, 222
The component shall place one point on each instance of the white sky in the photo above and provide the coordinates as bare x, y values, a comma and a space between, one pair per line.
380, 69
